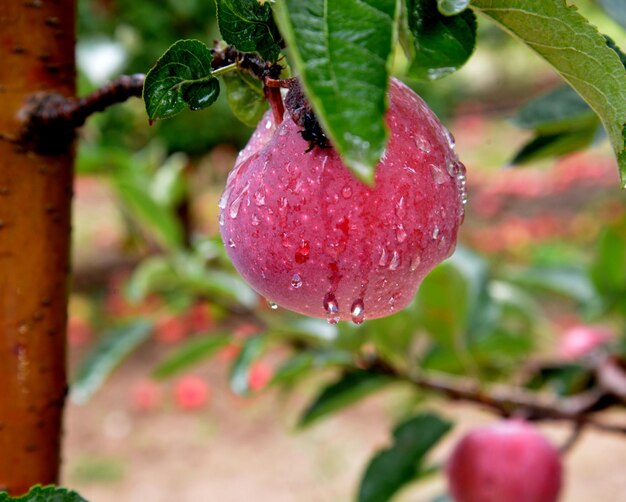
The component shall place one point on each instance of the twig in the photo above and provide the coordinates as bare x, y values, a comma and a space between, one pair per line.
572, 439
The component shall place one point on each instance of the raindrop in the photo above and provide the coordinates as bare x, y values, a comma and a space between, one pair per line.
415, 262
332, 308
346, 192
423, 144
400, 208
231, 243
395, 261
400, 233
236, 203
283, 202
452, 168
296, 281
259, 197
393, 299
439, 176
435, 232
268, 124
383, 258
255, 220
302, 253
272, 305
449, 138
285, 241
358, 311
220, 219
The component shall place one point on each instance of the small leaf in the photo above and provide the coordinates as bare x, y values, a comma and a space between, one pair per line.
560, 110
550, 145
403, 461
564, 38
452, 7
40, 493
303, 362
608, 270
151, 274
245, 97
342, 52
240, 372
437, 44
248, 25
347, 390
108, 352
191, 352
616, 9
180, 78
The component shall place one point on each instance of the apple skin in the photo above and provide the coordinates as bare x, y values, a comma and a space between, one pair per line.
578, 341
310, 237
509, 461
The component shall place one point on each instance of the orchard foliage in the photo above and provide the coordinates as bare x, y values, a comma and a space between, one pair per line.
471, 317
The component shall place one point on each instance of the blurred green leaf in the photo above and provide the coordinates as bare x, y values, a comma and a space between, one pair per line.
443, 304
564, 38
40, 493
571, 282
437, 44
168, 185
608, 270
551, 145
560, 110
616, 9
402, 462
452, 7
245, 97
180, 78
159, 219
106, 355
240, 372
342, 53
151, 274
248, 25
350, 388
564, 380
191, 352
303, 363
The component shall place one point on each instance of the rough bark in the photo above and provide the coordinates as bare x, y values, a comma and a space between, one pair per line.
36, 55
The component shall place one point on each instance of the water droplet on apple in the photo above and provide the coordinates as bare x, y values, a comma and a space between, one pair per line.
254, 219
383, 258
346, 192
357, 311
259, 197
439, 177
220, 219
423, 144
236, 203
435, 232
395, 261
272, 305
296, 281
449, 138
415, 262
332, 308
231, 243
400, 233
400, 208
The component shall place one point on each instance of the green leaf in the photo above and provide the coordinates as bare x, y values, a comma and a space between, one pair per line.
342, 52
40, 493
443, 304
347, 390
168, 185
452, 7
151, 274
245, 97
437, 44
239, 374
159, 219
616, 9
608, 270
577, 51
180, 78
403, 461
303, 362
248, 25
108, 352
560, 110
191, 352
550, 145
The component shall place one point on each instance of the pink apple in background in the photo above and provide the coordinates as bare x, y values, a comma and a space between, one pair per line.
310, 237
259, 376
191, 392
509, 461
578, 341
79, 332
171, 329
146, 395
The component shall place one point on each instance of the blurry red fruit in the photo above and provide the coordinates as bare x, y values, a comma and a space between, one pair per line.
259, 376
171, 329
79, 332
146, 395
191, 392
509, 461
579, 341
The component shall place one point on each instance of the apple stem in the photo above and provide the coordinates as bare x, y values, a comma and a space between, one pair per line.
274, 98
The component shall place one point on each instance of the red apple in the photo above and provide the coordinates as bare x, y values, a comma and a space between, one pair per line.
509, 461
259, 376
191, 392
579, 341
310, 237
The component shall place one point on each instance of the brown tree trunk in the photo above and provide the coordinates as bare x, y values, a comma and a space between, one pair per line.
36, 55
